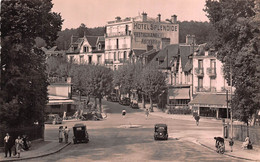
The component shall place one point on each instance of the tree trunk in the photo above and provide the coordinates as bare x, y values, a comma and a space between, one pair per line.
95, 102
151, 103
247, 129
100, 104
143, 102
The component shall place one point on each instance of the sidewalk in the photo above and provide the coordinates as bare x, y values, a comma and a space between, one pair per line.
207, 140
38, 149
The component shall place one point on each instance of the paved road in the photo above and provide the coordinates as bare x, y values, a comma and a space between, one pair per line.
113, 140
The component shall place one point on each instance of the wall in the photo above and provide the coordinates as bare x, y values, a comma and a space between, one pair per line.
240, 133
59, 89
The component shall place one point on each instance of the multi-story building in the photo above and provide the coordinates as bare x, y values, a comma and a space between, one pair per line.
88, 49
176, 61
209, 85
131, 37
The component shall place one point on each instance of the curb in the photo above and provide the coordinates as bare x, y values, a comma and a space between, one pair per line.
38, 156
236, 157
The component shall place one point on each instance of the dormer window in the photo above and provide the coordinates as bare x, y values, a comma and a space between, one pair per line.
85, 49
99, 46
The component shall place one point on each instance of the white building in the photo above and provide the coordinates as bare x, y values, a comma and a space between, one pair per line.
89, 49
134, 36
209, 84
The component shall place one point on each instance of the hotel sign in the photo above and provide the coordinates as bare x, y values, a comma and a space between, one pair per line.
151, 33
155, 27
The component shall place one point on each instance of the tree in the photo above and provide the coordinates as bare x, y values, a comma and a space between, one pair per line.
99, 82
237, 26
153, 82
24, 79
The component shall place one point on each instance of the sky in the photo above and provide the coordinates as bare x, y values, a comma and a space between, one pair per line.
95, 13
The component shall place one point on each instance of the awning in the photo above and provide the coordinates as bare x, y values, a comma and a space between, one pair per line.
60, 102
179, 93
210, 100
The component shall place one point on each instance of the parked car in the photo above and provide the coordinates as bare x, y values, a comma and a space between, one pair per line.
80, 133
125, 101
114, 97
160, 132
134, 105
53, 119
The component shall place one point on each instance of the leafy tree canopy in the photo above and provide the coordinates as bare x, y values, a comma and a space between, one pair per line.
23, 79
237, 43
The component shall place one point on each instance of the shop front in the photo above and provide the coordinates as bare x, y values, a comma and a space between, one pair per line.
210, 105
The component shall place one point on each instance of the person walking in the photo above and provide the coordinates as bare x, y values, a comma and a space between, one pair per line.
18, 146
197, 118
8, 144
61, 134
66, 134
147, 113
123, 113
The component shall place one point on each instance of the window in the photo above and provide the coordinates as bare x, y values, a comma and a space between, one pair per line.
90, 59
213, 63
126, 29
114, 67
200, 64
117, 43
98, 59
118, 55
84, 49
81, 59
71, 59
200, 82
87, 49
99, 46
114, 56
124, 55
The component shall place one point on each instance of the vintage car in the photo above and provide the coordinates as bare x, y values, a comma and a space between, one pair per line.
160, 132
134, 105
80, 133
125, 101
53, 119
113, 97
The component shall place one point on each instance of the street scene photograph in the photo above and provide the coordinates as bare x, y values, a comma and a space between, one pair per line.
129, 80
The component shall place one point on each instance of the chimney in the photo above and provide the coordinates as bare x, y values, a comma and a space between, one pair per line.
159, 17
144, 16
190, 39
174, 19
165, 42
118, 18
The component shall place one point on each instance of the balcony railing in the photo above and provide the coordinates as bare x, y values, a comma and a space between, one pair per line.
211, 72
199, 71
205, 89
108, 61
118, 34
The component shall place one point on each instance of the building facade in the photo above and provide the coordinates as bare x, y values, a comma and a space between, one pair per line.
87, 50
209, 85
126, 38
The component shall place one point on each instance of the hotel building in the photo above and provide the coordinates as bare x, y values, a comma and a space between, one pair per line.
125, 39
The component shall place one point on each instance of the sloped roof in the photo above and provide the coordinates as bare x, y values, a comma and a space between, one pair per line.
209, 99
170, 50
92, 40
138, 52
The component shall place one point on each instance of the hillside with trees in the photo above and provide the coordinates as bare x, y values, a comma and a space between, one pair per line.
203, 32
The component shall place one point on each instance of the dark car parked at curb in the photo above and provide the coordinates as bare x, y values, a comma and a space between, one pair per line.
160, 132
125, 101
80, 133
134, 105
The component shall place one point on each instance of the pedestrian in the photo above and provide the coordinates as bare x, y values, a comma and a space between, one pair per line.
8, 143
60, 134
123, 113
18, 146
231, 143
147, 113
66, 134
197, 118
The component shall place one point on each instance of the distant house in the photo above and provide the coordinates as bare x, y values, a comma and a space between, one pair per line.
59, 94
86, 50
175, 61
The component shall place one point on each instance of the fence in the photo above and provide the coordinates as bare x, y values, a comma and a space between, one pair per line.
33, 132
240, 133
